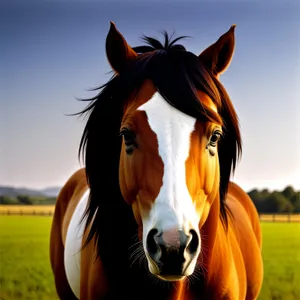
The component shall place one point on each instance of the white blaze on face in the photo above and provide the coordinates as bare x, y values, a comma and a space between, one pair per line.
173, 208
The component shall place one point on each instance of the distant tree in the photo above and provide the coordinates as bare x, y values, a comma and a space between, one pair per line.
7, 200
24, 199
289, 192
254, 194
295, 200
265, 192
277, 202
259, 198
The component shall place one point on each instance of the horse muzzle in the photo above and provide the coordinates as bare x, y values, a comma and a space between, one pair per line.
172, 254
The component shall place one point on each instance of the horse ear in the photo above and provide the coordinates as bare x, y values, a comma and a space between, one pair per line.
119, 53
217, 57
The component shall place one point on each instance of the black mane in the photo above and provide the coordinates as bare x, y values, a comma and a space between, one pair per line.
177, 74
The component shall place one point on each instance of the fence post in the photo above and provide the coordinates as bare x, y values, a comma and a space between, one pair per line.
274, 216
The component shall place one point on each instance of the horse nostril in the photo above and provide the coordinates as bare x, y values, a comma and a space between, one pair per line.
194, 242
151, 243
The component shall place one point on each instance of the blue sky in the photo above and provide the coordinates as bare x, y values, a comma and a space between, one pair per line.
53, 51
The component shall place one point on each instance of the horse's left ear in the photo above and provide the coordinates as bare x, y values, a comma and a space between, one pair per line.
217, 57
119, 53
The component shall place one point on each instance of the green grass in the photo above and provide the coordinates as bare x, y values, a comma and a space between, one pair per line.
281, 255
25, 271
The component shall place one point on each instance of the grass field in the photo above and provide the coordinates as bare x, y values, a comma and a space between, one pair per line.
281, 254
25, 269
24, 258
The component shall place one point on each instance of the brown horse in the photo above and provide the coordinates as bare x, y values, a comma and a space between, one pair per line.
153, 215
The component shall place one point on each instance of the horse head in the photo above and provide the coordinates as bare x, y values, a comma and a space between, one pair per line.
176, 127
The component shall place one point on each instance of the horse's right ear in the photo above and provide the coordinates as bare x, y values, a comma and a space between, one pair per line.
119, 53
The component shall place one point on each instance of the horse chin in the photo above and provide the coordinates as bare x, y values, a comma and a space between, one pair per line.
171, 277
154, 270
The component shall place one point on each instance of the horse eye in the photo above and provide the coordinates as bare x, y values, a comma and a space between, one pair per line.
125, 131
127, 134
129, 140
215, 138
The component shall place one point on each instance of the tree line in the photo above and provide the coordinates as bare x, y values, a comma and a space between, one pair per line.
26, 200
285, 201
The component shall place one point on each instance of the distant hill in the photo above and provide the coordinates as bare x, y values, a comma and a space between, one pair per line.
13, 191
51, 191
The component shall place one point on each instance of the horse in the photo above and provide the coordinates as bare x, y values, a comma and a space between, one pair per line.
153, 213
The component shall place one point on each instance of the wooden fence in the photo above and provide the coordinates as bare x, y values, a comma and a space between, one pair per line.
279, 217
26, 213
27, 210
